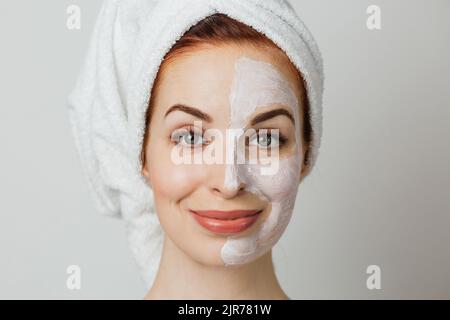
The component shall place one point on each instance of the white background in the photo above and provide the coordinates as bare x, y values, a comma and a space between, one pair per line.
379, 194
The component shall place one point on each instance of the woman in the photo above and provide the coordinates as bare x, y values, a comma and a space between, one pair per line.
231, 126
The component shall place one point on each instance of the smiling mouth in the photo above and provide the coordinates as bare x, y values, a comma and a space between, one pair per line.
222, 222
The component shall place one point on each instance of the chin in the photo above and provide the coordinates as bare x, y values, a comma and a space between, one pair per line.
204, 249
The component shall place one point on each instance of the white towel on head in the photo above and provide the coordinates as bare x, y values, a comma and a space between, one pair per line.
108, 104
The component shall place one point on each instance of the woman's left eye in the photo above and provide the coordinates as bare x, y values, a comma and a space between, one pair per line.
266, 139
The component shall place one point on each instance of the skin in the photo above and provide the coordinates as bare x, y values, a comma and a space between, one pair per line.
202, 79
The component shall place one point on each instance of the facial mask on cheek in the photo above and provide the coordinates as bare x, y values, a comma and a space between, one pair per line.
258, 84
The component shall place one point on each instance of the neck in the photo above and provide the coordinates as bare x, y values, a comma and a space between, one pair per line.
181, 277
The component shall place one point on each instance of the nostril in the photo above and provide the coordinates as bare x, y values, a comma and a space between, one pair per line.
228, 192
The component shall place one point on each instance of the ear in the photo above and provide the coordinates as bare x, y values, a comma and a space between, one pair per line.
304, 171
145, 172
305, 165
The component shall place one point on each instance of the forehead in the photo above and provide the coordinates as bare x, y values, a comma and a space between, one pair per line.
204, 76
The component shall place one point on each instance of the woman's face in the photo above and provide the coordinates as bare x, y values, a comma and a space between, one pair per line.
224, 153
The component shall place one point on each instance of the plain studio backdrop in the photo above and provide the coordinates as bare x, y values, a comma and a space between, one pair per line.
379, 194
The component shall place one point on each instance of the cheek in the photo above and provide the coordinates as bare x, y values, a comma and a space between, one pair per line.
279, 186
172, 182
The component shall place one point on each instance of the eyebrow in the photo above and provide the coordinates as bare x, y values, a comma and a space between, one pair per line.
272, 114
257, 119
190, 110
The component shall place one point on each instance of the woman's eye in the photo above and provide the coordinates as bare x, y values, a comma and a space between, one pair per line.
188, 138
266, 139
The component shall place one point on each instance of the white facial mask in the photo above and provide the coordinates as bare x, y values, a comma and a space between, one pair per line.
258, 84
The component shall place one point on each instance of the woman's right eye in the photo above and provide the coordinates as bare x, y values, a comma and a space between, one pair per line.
188, 138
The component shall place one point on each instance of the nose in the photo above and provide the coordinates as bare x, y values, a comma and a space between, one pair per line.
225, 182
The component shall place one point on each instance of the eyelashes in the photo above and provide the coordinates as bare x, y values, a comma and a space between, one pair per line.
188, 137
267, 138
193, 138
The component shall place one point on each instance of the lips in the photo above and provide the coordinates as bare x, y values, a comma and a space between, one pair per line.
234, 221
